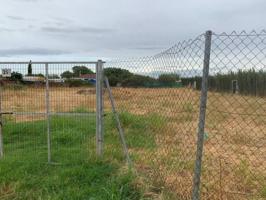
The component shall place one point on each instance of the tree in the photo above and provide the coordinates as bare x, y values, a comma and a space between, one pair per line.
67, 74
78, 70
137, 80
30, 68
40, 75
168, 78
53, 76
117, 75
15, 76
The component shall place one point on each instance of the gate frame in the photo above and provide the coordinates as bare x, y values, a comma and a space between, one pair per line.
99, 104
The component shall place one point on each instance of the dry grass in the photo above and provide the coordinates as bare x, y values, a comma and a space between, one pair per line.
234, 151
61, 99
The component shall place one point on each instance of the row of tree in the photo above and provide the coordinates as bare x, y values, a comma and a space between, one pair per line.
248, 82
125, 78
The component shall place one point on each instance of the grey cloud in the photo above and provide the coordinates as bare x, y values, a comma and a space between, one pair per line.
28, 0
149, 47
92, 30
31, 51
99, 27
62, 19
225, 12
5, 29
57, 21
15, 17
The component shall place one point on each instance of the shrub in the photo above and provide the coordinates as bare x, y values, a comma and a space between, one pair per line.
67, 74
168, 78
76, 83
15, 76
14, 87
78, 70
138, 81
117, 75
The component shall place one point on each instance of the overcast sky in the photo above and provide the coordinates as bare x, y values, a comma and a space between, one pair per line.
90, 29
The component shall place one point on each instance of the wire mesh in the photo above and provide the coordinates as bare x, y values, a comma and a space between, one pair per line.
160, 116
234, 164
20, 137
59, 102
158, 100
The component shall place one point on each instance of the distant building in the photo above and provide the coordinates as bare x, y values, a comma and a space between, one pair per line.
56, 80
88, 77
33, 79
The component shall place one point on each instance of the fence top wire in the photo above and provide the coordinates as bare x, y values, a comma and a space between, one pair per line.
180, 46
242, 33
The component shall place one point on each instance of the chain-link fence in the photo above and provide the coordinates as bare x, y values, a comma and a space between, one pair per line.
193, 117
162, 103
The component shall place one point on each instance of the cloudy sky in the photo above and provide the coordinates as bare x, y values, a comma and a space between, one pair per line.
90, 29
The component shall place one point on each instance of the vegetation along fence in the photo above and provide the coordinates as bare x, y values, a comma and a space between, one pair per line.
190, 120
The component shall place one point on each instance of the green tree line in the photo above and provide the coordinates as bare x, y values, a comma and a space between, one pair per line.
125, 78
250, 82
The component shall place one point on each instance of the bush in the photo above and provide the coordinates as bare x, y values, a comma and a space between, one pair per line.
138, 81
127, 79
14, 87
36, 75
76, 83
67, 74
117, 75
15, 76
77, 71
168, 78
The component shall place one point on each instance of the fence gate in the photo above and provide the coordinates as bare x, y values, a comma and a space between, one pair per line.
48, 110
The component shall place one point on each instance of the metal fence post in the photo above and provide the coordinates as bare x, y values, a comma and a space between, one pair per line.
99, 108
47, 103
1, 126
202, 114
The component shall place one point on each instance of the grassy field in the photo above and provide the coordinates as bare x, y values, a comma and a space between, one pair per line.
160, 127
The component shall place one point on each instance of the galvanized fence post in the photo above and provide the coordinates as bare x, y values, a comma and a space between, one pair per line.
1, 126
99, 108
202, 114
47, 103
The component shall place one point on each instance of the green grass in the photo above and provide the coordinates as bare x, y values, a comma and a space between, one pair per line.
87, 180
81, 109
75, 173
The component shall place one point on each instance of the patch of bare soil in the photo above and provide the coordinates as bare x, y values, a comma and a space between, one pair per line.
89, 91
